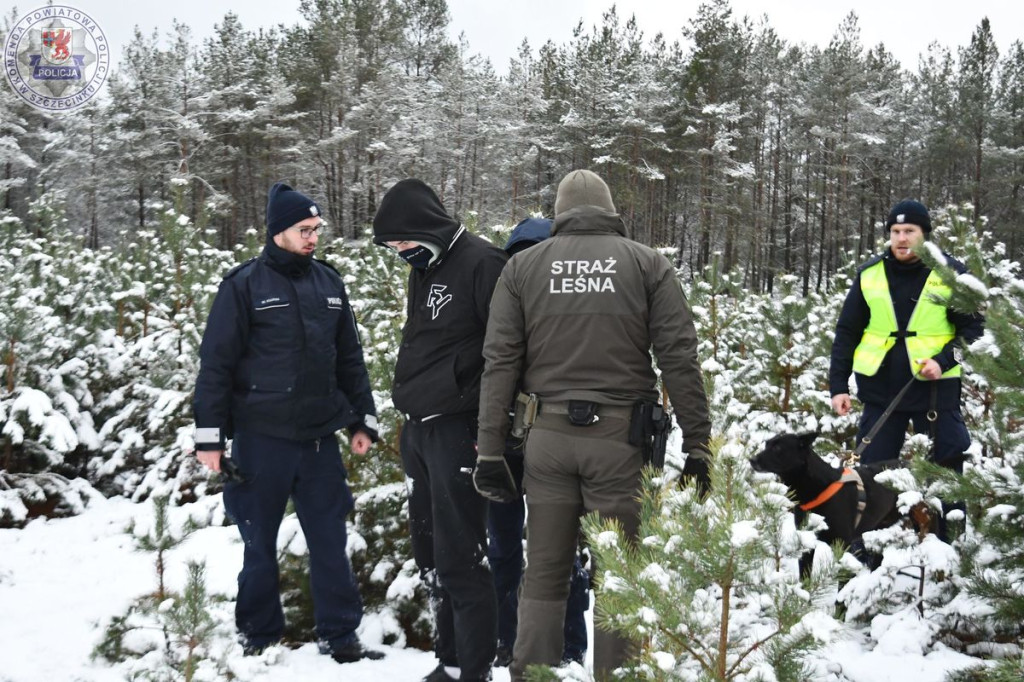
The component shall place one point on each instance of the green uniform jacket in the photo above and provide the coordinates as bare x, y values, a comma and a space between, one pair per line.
576, 317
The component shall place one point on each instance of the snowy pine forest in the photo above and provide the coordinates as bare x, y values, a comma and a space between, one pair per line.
717, 136
761, 168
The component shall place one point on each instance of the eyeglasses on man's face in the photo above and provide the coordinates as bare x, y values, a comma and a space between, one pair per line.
308, 232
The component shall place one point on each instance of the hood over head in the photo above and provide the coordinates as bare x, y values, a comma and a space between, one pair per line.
411, 211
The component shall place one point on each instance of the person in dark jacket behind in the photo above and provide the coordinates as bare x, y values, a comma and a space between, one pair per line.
281, 370
891, 329
437, 387
505, 526
574, 320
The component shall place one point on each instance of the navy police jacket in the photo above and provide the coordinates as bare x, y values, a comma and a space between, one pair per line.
281, 354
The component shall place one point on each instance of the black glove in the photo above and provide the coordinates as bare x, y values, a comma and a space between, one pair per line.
370, 431
698, 469
493, 479
229, 471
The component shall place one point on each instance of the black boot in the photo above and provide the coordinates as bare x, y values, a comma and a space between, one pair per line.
503, 656
251, 649
438, 674
352, 652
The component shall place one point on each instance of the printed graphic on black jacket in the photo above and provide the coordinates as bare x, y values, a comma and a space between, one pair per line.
438, 299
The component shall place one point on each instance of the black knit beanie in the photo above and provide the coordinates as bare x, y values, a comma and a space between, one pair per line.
411, 211
286, 206
911, 212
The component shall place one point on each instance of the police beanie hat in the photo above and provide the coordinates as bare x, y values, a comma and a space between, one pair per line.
410, 210
582, 188
911, 212
285, 207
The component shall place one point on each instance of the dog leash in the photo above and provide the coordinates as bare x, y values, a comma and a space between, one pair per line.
866, 441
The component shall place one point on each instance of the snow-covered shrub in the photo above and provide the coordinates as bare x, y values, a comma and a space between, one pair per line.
710, 588
46, 426
765, 357
375, 280
163, 285
380, 550
168, 634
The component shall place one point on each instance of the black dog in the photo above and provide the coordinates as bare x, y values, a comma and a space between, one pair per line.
809, 477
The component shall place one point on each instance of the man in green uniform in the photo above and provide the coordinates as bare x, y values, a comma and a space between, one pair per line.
573, 320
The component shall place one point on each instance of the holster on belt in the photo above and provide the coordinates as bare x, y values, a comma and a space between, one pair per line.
524, 413
648, 427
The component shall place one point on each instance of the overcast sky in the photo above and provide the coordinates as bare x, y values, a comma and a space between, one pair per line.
496, 28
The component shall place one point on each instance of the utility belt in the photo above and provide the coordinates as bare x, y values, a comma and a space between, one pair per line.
648, 422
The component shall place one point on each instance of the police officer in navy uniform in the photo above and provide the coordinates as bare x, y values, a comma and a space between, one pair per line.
891, 329
281, 371
437, 386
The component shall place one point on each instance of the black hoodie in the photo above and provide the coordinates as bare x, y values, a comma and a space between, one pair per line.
440, 358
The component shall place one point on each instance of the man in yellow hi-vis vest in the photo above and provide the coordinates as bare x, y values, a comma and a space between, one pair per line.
890, 330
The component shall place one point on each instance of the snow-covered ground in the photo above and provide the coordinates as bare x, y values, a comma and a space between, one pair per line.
62, 580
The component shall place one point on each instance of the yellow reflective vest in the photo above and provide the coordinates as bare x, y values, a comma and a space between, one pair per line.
928, 332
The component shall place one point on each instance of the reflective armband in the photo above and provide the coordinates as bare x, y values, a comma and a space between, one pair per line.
207, 434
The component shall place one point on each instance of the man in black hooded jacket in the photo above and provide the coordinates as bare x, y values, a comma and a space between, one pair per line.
437, 387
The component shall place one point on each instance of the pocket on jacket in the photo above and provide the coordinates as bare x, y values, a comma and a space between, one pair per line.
463, 372
267, 387
274, 325
426, 389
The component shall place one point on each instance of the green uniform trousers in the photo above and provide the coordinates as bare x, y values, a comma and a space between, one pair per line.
570, 471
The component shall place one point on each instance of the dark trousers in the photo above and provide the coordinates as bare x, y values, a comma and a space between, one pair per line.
505, 553
951, 438
448, 525
312, 474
